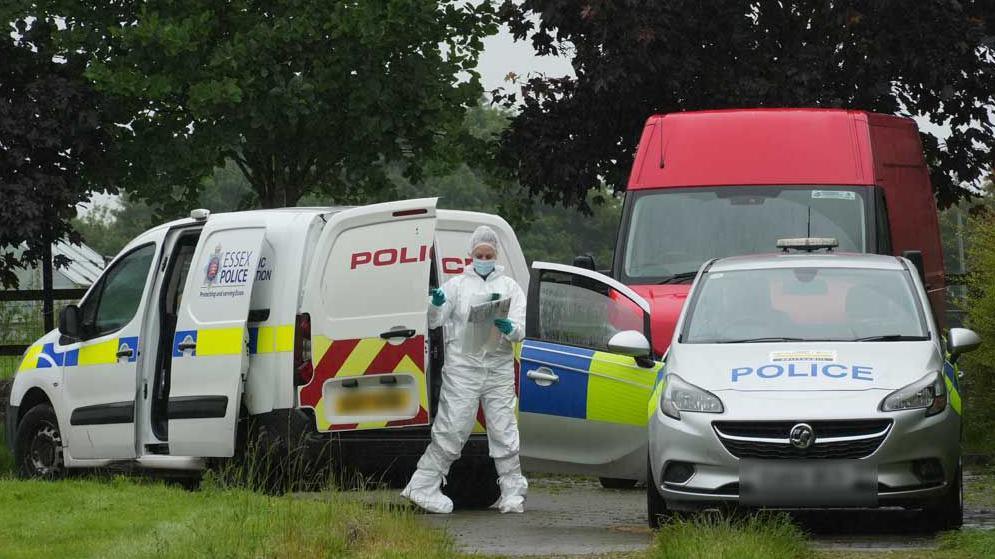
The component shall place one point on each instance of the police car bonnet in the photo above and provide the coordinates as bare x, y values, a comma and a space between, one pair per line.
810, 366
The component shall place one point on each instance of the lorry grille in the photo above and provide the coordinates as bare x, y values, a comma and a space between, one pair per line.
834, 439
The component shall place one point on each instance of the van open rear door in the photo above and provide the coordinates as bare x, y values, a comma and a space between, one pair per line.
210, 347
367, 294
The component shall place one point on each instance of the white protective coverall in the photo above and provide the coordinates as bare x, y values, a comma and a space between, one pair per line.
487, 378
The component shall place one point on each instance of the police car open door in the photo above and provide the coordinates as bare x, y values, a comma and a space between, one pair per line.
210, 346
586, 374
367, 297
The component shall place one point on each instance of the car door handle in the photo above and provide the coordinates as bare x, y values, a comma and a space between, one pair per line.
399, 333
183, 346
543, 376
125, 353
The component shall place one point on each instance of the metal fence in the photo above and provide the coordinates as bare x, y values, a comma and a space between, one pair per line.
22, 321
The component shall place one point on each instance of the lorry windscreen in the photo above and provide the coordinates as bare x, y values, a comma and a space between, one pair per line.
804, 304
674, 231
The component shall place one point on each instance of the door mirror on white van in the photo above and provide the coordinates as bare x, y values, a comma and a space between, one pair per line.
960, 341
629, 342
69, 320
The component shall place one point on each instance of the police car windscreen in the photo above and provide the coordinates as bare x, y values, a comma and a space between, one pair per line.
805, 304
674, 231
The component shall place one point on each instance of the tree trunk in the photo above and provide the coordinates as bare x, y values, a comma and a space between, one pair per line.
48, 303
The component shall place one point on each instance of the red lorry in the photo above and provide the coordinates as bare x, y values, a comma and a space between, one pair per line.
718, 183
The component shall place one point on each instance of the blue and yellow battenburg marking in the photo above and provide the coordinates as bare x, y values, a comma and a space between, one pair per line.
951, 376
216, 341
593, 385
44, 356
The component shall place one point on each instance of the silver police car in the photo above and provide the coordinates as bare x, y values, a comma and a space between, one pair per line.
809, 380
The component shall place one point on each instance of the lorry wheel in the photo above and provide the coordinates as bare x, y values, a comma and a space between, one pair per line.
617, 483
472, 483
38, 448
656, 507
948, 512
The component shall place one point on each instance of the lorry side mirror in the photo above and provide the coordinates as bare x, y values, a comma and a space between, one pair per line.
585, 261
915, 256
69, 320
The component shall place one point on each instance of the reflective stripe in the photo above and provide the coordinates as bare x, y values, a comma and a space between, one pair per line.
954, 395
30, 360
220, 341
101, 353
617, 389
271, 339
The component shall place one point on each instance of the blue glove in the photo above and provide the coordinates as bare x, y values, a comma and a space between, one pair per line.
504, 325
438, 297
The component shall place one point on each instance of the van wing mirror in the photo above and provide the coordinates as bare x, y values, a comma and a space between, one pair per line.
961, 341
585, 261
915, 257
69, 322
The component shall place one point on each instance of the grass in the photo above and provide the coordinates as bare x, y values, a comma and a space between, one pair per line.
761, 536
129, 519
6, 459
8, 366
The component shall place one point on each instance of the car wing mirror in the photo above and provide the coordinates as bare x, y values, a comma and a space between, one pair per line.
69, 322
961, 341
633, 344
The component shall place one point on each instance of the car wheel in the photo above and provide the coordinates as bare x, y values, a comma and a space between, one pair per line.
472, 483
38, 448
617, 483
948, 512
656, 506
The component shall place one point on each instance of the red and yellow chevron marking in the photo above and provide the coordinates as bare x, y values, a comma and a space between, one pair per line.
360, 357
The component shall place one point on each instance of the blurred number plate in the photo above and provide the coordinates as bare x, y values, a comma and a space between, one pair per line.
808, 483
378, 401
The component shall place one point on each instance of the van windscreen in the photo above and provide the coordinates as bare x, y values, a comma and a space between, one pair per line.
674, 231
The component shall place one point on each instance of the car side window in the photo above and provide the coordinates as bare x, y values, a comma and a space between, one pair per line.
576, 310
114, 302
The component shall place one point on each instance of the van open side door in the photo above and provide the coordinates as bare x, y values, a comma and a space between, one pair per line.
210, 346
367, 296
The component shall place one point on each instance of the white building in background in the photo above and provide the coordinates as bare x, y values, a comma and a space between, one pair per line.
85, 266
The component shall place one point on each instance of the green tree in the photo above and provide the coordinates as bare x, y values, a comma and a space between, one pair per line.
633, 58
302, 95
979, 366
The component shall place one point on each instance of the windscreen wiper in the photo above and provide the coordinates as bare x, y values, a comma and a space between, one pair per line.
678, 278
892, 338
759, 340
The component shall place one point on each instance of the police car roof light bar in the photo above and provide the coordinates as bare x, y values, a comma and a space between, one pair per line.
807, 244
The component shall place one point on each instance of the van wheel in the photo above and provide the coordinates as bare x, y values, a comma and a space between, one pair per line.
473, 483
38, 448
263, 464
656, 506
948, 512
617, 483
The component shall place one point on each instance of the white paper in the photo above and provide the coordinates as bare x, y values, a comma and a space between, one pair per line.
481, 334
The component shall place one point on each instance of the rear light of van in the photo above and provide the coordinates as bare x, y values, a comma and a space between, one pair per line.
303, 368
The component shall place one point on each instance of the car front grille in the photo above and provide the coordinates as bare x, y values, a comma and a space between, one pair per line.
834, 439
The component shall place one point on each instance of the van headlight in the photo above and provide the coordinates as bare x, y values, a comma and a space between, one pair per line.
680, 395
929, 392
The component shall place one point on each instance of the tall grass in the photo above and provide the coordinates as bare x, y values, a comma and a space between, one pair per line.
6, 459
762, 536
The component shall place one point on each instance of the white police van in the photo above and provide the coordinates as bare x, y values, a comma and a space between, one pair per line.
809, 381
306, 329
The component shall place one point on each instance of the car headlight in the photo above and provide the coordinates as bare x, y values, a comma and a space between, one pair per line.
680, 395
929, 392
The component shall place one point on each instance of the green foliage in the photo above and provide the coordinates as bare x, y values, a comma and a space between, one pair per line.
51, 140
967, 544
709, 537
978, 385
633, 59
302, 95
122, 518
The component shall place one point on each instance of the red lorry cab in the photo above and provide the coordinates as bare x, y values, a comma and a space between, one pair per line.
719, 183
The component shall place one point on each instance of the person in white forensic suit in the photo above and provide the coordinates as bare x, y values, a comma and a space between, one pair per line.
485, 378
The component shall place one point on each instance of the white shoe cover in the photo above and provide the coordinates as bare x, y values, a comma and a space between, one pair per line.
513, 503
423, 490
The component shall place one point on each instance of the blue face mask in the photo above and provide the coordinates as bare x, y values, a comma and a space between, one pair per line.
483, 267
